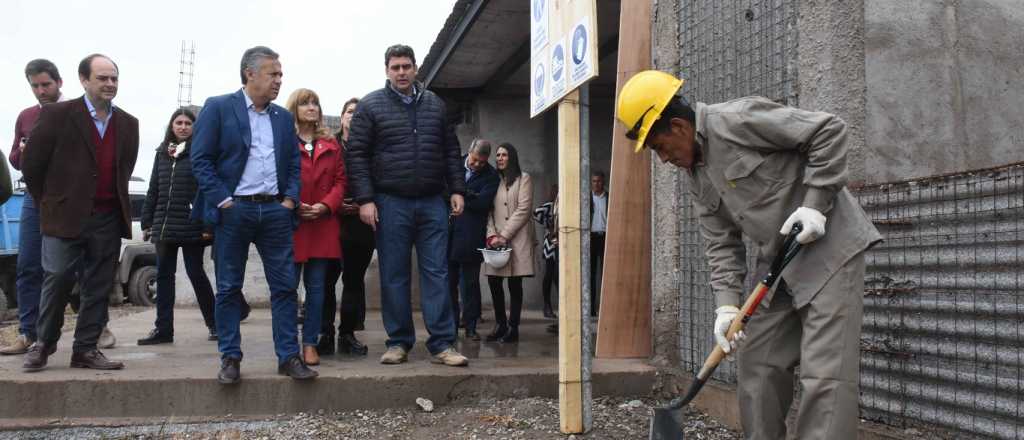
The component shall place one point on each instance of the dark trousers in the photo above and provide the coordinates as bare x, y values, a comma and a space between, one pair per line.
423, 222
464, 281
596, 262
356, 255
270, 227
166, 266
95, 250
29, 278
515, 293
550, 278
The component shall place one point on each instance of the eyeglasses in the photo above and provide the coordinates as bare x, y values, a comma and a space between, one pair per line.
634, 133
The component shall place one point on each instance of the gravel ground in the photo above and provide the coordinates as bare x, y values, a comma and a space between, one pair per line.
525, 418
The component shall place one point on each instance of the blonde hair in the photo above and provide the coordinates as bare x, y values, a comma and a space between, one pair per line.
303, 96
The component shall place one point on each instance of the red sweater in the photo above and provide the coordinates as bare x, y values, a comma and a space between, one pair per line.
106, 189
22, 127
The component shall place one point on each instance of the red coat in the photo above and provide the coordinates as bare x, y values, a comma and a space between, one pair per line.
323, 181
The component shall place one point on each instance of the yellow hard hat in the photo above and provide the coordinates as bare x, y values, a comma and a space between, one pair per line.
642, 100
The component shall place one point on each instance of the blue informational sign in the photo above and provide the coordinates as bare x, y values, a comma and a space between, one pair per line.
538, 80
558, 63
579, 44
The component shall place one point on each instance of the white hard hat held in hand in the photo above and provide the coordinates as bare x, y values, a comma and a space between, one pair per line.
812, 220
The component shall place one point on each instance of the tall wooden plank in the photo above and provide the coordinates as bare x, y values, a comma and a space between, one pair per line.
570, 356
624, 324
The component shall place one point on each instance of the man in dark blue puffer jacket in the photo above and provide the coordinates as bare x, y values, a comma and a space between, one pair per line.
402, 158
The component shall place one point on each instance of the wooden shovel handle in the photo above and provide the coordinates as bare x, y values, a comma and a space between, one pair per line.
717, 355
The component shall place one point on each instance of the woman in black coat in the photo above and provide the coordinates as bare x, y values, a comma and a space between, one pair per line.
165, 221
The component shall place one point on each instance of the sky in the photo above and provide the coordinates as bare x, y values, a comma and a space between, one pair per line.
336, 48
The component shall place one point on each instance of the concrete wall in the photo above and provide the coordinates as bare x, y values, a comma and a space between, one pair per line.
945, 85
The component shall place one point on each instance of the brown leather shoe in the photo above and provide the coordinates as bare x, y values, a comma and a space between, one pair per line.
310, 355
20, 346
35, 359
95, 360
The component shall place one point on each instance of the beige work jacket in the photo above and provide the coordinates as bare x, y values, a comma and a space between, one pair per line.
761, 161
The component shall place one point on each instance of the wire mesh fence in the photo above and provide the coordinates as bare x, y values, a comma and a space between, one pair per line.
730, 49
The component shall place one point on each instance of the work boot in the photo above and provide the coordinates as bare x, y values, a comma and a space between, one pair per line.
296, 369
230, 371
450, 357
549, 312
155, 337
511, 336
20, 346
499, 331
325, 346
94, 359
35, 358
348, 344
107, 339
309, 355
396, 354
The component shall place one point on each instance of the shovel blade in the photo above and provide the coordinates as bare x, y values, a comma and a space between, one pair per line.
667, 424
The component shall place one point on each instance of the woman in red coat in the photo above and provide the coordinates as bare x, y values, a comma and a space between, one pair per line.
323, 189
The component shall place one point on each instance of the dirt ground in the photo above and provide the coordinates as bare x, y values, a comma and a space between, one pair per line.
523, 418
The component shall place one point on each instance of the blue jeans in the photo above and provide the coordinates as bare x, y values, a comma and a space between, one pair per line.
424, 222
166, 266
269, 227
464, 279
314, 274
29, 281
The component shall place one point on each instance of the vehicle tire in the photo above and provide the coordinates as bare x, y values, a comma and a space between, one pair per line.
142, 286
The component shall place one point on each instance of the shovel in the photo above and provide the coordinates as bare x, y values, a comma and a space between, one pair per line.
668, 420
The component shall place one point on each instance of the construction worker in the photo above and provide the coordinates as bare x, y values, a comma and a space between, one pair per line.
755, 167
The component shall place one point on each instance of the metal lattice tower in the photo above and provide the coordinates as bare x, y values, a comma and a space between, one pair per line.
185, 71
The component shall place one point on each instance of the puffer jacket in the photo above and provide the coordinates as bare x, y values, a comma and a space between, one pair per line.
169, 200
405, 150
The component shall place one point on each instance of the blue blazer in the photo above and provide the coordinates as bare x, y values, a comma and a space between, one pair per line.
220, 148
468, 230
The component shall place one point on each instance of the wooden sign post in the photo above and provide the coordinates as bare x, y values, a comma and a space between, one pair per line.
563, 57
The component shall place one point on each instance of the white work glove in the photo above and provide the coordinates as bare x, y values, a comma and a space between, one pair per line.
722, 322
813, 221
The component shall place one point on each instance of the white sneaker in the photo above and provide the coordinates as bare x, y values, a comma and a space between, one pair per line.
451, 358
396, 354
107, 339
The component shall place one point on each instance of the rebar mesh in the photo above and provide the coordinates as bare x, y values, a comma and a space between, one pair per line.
728, 49
943, 335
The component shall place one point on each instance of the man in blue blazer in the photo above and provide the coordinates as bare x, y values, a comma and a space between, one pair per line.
246, 160
468, 233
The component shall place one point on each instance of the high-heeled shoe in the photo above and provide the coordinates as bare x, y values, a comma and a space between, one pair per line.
499, 331
511, 336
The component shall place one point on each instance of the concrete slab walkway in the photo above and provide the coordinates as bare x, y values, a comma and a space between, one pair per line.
179, 379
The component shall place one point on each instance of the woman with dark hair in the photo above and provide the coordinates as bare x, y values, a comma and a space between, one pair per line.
509, 226
357, 244
317, 240
166, 221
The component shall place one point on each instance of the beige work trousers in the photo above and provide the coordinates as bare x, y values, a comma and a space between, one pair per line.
823, 338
